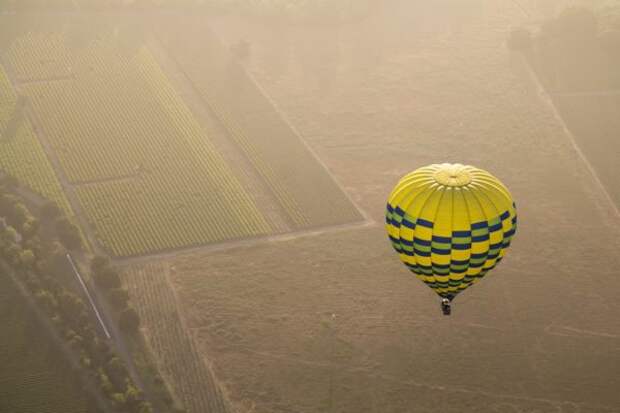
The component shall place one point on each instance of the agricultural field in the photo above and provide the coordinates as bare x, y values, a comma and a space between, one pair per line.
595, 122
144, 171
302, 186
335, 323
580, 74
33, 378
178, 359
21, 153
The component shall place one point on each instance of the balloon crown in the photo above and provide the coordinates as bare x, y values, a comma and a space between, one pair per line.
452, 175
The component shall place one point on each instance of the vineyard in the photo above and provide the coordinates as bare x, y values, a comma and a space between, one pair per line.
302, 186
33, 379
21, 154
179, 361
143, 169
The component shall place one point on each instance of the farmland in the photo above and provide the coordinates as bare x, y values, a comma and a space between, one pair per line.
144, 171
155, 181
33, 378
179, 361
21, 154
306, 192
595, 122
167, 142
580, 74
334, 323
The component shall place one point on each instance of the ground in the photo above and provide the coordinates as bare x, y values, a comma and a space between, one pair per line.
334, 323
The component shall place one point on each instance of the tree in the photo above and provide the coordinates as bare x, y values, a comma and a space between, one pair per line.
68, 233
47, 302
34, 244
144, 407
13, 254
116, 371
54, 259
73, 310
30, 227
105, 383
9, 236
27, 259
18, 215
129, 321
133, 396
85, 360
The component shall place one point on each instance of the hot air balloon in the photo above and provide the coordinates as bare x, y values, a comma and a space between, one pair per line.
451, 224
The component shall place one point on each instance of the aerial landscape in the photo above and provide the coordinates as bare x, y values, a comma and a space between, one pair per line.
193, 206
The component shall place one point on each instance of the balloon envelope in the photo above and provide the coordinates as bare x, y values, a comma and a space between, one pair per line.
451, 224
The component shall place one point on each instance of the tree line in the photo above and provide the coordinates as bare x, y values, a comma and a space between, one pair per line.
35, 247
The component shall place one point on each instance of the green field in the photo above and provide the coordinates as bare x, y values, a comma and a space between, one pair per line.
146, 174
21, 154
144, 171
33, 377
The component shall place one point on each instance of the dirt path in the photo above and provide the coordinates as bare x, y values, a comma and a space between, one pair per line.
244, 243
548, 101
615, 92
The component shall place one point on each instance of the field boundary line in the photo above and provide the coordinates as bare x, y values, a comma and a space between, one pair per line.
220, 388
86, 231
546, 98
245, 242
282, 115
218, 134
602, 93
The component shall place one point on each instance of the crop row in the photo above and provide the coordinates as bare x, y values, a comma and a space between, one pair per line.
303, 187
193, 382
49, 61
145, 172
21, 153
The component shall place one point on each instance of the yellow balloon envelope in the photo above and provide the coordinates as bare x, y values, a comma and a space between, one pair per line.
451, 224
